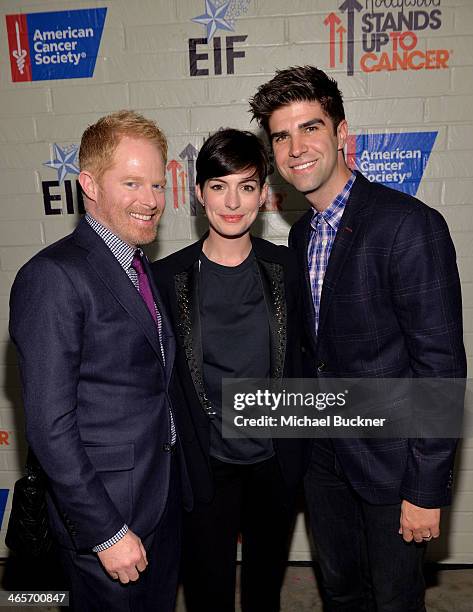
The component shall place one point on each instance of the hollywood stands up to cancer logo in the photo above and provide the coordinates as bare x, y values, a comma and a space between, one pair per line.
389, 38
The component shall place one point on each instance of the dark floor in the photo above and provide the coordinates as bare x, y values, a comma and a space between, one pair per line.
449, 589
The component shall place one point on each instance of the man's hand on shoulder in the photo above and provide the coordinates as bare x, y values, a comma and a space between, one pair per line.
419, 524
125, 559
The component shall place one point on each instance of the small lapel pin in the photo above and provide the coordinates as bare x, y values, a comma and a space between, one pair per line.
348, 229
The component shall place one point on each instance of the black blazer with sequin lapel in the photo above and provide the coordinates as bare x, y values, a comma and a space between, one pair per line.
177, 278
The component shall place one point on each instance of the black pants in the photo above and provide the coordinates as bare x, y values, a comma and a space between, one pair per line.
251, 500
365, 563
92, 589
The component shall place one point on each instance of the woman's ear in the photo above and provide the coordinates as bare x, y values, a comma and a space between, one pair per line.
263, 195
199, 195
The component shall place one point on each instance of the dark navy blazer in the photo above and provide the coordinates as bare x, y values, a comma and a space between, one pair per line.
95, 389
390, 307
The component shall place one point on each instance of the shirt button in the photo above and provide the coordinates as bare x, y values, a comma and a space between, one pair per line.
320, 282
324, 242
166, 447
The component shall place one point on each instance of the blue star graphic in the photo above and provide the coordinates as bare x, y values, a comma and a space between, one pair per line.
65, 161
213, 18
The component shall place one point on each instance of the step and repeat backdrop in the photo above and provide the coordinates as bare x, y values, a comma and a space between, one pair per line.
405, 68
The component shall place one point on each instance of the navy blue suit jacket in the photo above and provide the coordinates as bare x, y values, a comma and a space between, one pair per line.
390, 307
95, 389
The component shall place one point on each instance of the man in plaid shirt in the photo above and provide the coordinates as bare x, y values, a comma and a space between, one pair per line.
382, 300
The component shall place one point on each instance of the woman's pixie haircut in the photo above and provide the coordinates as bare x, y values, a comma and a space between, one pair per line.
231, 151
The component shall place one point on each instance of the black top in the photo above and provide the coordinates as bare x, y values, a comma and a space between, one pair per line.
178, 278
235, 344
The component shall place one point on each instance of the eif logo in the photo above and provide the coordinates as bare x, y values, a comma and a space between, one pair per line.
59, 192
216, 54
389, 39
56, 45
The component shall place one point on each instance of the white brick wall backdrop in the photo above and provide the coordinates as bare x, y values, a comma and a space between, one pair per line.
143, 63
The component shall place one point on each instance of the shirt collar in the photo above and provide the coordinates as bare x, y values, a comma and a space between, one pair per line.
121, 250
333, 213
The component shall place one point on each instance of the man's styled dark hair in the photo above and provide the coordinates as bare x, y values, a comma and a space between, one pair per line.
297, 84
231, 151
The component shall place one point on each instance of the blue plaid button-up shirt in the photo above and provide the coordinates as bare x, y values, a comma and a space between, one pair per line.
324, 229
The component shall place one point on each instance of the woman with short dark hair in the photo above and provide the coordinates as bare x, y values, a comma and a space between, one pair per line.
233, 299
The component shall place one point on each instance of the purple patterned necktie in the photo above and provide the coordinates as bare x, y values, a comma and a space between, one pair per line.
144, 286
145, 291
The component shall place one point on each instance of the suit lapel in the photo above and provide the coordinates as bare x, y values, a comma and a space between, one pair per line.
346, 235
272, 280
186, 284
169, 343
120, 286
301, 244
307, 293
113, 276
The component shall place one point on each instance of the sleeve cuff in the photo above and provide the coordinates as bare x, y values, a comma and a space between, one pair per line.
113, 540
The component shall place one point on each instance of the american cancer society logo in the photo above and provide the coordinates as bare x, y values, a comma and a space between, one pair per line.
56, 45
395, 160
